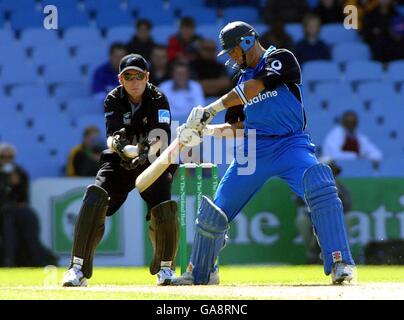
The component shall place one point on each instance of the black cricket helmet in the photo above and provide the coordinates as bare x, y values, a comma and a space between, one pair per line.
237, 33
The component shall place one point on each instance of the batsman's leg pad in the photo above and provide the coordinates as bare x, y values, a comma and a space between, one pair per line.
210, 237
89, 227
164, 235
327, 215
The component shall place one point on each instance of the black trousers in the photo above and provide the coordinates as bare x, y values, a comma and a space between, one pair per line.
119, 182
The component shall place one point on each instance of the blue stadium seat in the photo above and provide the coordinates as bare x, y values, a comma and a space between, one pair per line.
375, 90
50, 55
392, 167
76, 108
26, 19
21, 73
12, 55
68, 90
39, 37
31, 91
158, 16
339, 104
356, 168
162, 33
104, 5
78, 36
71, 17
97, 120
92, 55
318, 71
7, 36
295, 30
209, 31
40, 107
201, 15
61, 4
180, 4
113, 18
17, 5
329, 90
1, 19
318, 125
364, 71
395, 71
334, 33
8, 109
67, 72
349, 51
120, 34
244, 13
136, 5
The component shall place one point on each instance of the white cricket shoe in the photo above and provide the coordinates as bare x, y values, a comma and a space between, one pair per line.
342, 272
165, 276
74, 278
187, 279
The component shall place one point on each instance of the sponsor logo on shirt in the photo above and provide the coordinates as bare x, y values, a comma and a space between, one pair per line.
262, 97
164, 116
127, 118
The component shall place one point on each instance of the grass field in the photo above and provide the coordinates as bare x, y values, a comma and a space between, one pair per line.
237, 282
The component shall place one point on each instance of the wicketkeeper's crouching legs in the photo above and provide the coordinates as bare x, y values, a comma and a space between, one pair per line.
89, 229
327, 215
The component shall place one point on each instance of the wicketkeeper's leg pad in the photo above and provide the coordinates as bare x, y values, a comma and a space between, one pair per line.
164, 235
89, 227
210, 237
327, 215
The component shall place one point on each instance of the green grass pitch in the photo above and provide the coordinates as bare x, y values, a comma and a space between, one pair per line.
237, 282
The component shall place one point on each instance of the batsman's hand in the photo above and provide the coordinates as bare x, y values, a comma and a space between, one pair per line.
189, 137
200, 117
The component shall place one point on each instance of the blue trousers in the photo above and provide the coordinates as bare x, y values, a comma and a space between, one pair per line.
286, 158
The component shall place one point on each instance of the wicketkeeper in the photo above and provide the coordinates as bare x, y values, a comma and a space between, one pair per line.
138, 125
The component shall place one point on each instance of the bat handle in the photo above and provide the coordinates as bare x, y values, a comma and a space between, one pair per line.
205, 117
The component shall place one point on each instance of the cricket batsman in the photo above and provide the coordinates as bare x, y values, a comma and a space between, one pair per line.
273, 78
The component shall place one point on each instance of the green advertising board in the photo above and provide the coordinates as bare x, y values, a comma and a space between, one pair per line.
65, 209
265, 231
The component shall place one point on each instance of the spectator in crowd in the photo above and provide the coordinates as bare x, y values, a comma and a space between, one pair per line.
105, 76
277, 36
182, 93
330, 11
142, 42
303, 220
183, 45
19, 227
312, 47
83, 158
290, 11
363, 7
159, 68
383, 31
211, 74
345, 142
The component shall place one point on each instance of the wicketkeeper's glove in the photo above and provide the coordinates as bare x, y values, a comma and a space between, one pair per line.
141, 159
119, 141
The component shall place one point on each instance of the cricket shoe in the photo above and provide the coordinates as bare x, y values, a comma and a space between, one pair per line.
74, 277
187, 279
342, 272
165, 276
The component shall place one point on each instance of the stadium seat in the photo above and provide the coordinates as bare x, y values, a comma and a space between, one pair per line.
334, 33
12, 55
35, 37
158, 16
92, 55
356, 168
201, 15
374, 90
71, 17
86, 120
68, 90
180, 4
104, 5
40, 107
49, 55
357, 71
113, 18
8, 109
76, 108
392, 167
26, 19
162, 33
61, 4
136, 5
339, 104
20, 73
31, 91
120, 34
78, 36
329, 90
1, 19
395, 71
295, 30
349, 51
7, 36
321, 70
248, 14
17, 5
67, 72
318, 125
